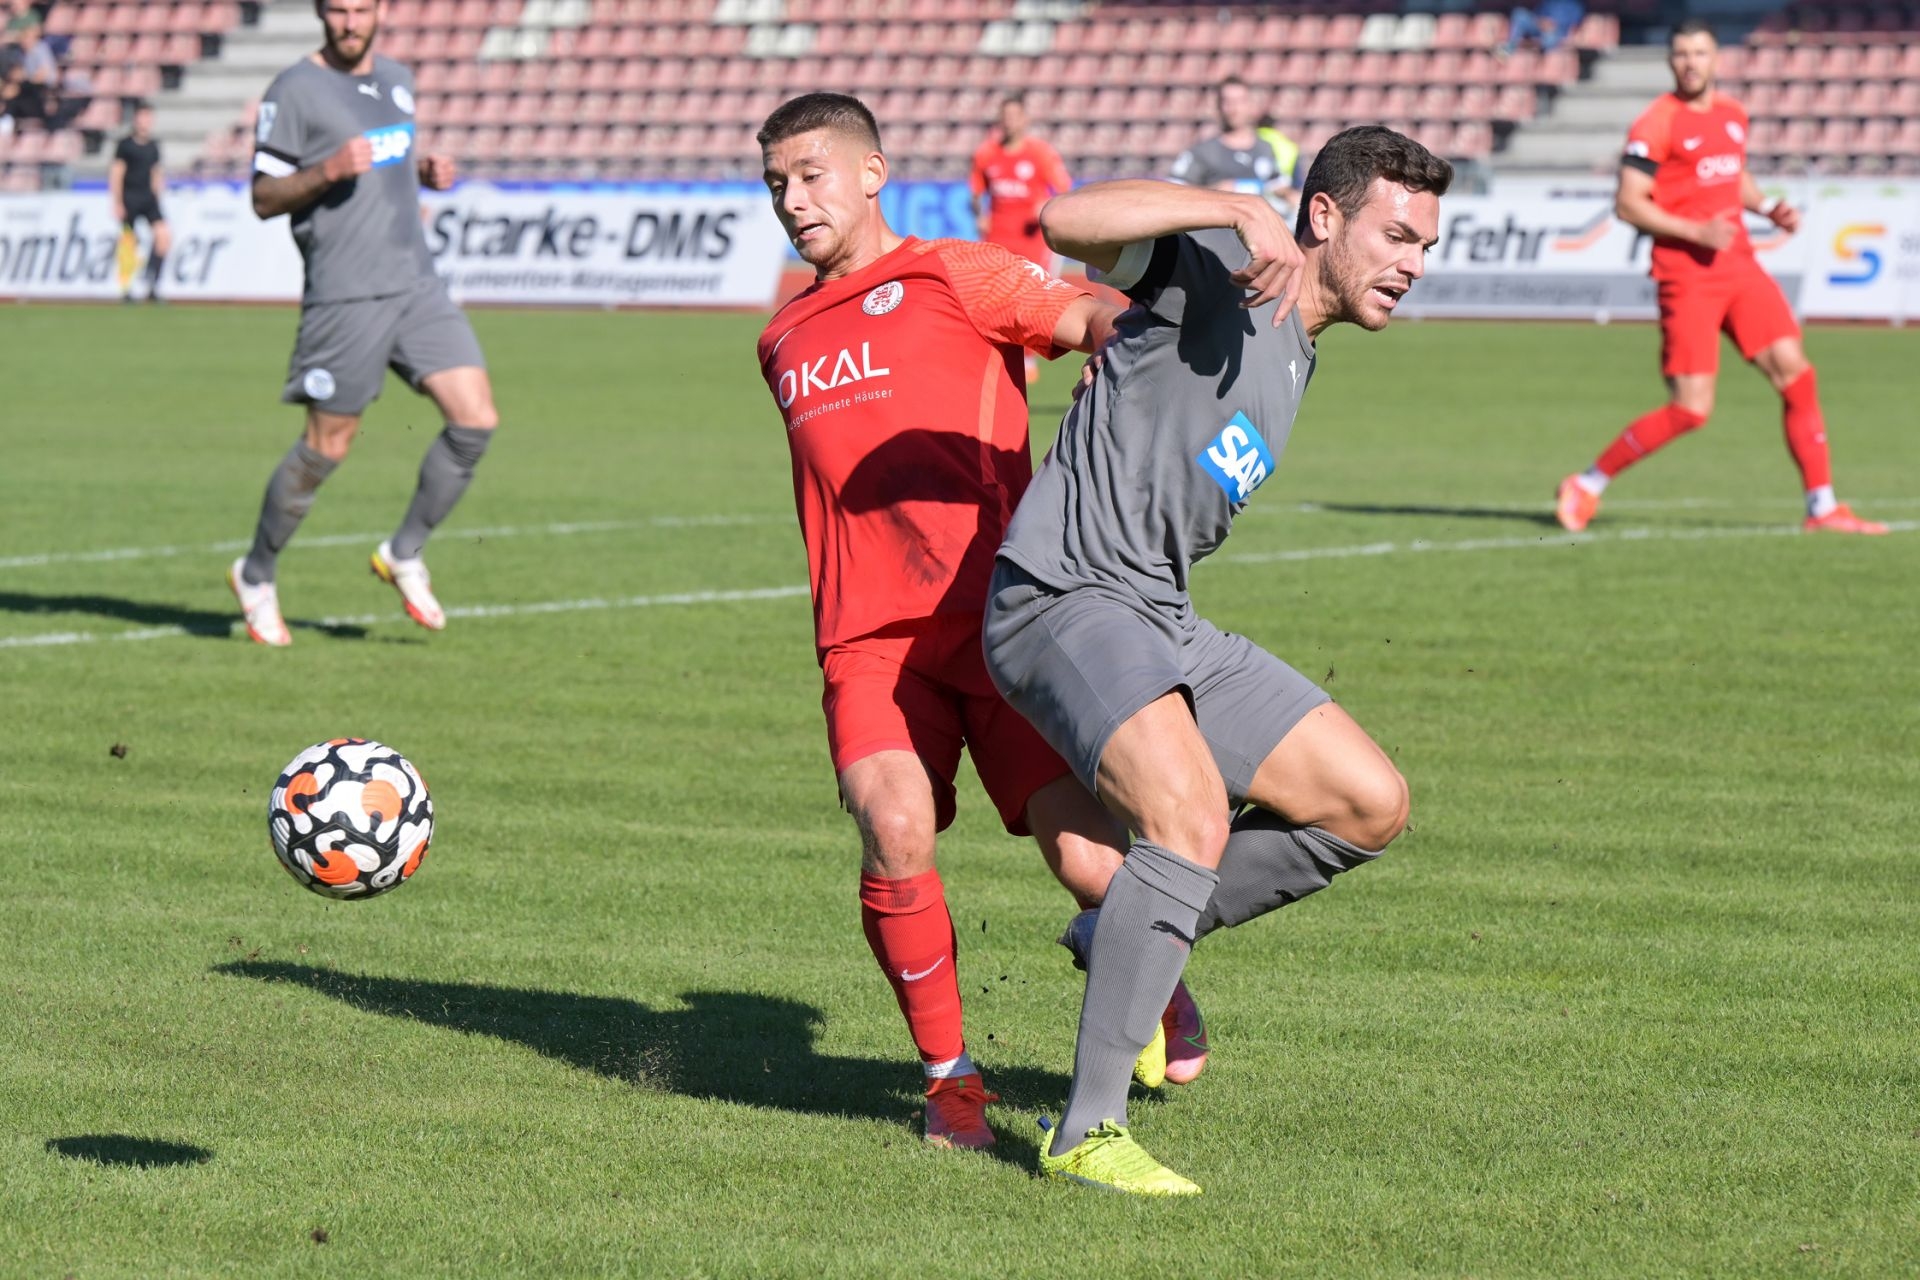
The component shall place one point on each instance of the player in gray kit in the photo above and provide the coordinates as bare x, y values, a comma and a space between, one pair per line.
335, 149
1090, 632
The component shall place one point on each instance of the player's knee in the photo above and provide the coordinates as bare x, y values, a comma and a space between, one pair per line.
897, 839
1696, 408
482, 416
1195, 827
1378, 805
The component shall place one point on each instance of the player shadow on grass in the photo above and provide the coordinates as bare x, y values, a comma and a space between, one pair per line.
130, 1152
728, 1046
1512, 514
206, 623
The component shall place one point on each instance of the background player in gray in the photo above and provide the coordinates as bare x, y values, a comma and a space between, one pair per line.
335, 149
1243, 156
1090, 632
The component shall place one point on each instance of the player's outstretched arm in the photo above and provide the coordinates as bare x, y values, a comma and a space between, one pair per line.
275, 194
1096, 222
1633, 204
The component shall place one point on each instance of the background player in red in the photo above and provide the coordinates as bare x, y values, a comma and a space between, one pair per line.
898, 375
1014, 173
1684, 181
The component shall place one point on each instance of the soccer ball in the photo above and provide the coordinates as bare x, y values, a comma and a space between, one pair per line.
350, 818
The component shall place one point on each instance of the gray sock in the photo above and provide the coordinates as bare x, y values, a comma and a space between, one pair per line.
1139, 949
289, 496
1269, 863
445, 473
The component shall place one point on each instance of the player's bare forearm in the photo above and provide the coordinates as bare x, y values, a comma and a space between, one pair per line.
1093, 224
274, 196
1633, 204
1086, 324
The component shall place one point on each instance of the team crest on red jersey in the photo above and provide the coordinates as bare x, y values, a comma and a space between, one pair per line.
1735, 132
884, 298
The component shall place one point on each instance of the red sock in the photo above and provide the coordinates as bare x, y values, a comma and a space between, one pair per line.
1646, 434
1806, 430
911, 935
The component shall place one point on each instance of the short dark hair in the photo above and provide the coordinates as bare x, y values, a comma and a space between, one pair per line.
1230, 80
1353, 158
1692, 27
1014, 98
841, 112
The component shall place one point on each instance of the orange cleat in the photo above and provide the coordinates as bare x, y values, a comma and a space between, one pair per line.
957, 1112
1186, 1037
1842, 520
1573, 505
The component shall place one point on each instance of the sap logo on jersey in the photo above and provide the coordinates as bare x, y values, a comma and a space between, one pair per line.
826, 373
1238, 458
391, 144
1719, 168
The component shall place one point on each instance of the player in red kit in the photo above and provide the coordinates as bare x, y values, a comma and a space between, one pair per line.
898, 376
1014, 173
1684, 181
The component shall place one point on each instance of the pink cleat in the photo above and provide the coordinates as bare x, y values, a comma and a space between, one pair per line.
957, 1112
1186, 1037
1842, 520
1574, 505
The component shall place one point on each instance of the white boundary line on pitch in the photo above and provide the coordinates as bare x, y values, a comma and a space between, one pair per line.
372, 539
114, 554
1563, 541
1559, 539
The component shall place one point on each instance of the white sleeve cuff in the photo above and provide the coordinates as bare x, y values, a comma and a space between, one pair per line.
1133, 263
271, 165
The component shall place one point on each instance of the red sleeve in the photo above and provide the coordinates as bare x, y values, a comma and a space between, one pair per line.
1651, 136
1009, 300
977, 179
1057, 176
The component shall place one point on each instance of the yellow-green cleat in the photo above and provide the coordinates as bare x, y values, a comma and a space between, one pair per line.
1150, 1068
1111, 1160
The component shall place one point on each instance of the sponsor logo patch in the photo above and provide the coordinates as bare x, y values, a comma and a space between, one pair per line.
318, 384
391, 145
884, 298
1238, 459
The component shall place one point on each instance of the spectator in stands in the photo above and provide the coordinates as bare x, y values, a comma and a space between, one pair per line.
1547, 26
1240, 157
33, 98
74, 94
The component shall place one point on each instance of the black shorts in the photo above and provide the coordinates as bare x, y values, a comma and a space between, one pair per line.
147, 211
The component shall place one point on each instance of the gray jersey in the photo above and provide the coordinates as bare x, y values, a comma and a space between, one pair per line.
362, 238
1187, 417
1211, 162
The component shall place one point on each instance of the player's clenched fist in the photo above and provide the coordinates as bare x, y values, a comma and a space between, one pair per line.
354, 158
438, 172
1273, 258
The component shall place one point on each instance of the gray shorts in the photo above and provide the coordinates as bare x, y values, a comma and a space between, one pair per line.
1079, 663
341, 357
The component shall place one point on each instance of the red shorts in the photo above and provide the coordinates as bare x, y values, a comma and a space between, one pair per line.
928, 692
1745, 303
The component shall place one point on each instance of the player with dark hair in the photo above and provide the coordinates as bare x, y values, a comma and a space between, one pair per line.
1248, 155
1090, 632
1684, 181
335, 149
898, 376
135, 183
1014, 173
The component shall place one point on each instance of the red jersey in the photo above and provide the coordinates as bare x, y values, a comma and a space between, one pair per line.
1018, 182
1696, 158
906, 411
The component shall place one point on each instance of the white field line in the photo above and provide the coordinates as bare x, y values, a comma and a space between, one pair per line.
114, 554
1561, 541
372, 539
1558, 539
55, 639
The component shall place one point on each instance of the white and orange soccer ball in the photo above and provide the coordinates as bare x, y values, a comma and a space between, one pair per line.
350, 818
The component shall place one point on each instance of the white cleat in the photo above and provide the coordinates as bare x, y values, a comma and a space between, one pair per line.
415, 585
261, 605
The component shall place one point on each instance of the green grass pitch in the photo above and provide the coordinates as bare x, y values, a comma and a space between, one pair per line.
1635, 997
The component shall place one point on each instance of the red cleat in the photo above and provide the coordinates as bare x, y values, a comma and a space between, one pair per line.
1573, 505
957, 1112
1186, 1037
1842, 520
